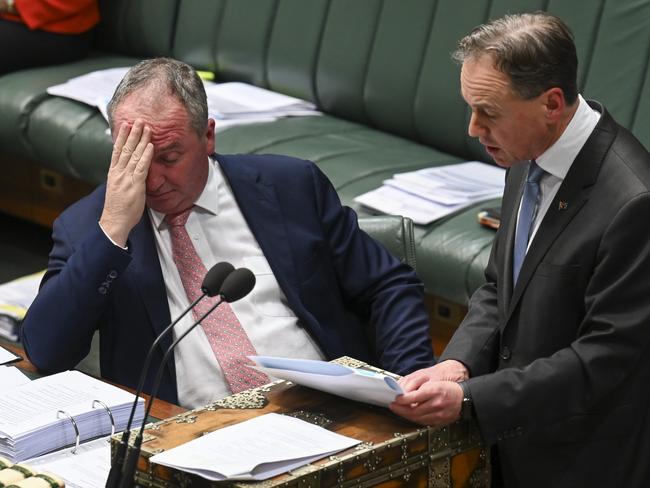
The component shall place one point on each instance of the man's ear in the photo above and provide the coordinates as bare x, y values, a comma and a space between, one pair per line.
554, 103
210, 137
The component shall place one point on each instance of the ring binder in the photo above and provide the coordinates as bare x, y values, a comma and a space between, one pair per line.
74, 424
110, 415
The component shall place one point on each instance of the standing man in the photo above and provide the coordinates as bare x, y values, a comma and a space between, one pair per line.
553, 357
132, 255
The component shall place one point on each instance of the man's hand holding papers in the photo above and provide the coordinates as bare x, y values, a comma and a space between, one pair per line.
352, 383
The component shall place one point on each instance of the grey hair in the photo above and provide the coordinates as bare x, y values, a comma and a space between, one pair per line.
536, 50
178, 78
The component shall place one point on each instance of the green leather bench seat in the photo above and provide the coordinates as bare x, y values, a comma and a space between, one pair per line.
379, 70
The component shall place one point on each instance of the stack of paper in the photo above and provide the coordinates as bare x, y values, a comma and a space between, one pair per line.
30, 422
256, 449
353, 383
15, 298
88, 467
429, 194
229, 103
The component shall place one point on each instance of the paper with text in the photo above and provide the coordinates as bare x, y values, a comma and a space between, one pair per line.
256, 449
30, 424
88, 468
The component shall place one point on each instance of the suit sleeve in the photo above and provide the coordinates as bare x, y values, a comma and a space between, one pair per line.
74, 295
376, 285
610, 350
475, 342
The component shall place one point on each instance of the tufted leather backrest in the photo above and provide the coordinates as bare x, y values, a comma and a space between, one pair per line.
386, 63
138, 28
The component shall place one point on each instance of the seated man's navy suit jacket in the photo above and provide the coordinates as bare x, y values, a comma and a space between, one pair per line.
348, 292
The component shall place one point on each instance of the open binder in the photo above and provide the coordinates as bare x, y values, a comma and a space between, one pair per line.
61, 410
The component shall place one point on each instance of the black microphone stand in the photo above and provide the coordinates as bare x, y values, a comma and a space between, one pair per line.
235, 286
213, 279
131, 460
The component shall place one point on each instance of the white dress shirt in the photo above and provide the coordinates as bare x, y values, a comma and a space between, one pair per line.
220, 233
557, 159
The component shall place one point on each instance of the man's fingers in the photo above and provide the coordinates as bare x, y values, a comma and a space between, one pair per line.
140, 148
122, 134
413, 381
131, 143
142, 167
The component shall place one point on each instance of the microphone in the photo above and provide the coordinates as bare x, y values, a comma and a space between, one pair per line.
236, 285
210, 287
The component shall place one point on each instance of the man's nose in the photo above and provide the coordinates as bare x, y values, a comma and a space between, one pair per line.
475, 128
155, 178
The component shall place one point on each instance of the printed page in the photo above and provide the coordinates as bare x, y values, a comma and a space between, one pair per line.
35, 404
88, 468
256, 449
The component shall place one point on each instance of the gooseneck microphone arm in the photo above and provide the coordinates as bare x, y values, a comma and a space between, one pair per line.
212, 282
236, 285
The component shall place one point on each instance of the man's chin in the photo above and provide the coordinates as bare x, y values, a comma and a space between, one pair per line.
163, 204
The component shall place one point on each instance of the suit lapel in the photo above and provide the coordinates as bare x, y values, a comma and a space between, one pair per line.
258, 202
510, 201
571, 196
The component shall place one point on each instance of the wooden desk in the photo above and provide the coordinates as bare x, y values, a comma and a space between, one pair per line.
160, 410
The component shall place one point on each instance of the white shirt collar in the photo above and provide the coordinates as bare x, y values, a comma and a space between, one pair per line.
558, 158
208, 199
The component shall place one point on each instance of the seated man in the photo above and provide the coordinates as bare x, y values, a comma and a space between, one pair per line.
124, 262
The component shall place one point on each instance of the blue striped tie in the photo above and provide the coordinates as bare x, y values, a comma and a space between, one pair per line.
526, 217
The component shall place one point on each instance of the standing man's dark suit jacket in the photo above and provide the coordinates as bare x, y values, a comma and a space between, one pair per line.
336, 279
568, 404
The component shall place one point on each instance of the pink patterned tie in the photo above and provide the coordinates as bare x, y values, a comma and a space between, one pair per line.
225, 333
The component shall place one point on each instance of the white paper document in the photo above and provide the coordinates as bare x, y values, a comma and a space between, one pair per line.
256, 449
429, 194
11, 376
6, 356
95, 88
87, 468
352, 383
30, 422
231, 103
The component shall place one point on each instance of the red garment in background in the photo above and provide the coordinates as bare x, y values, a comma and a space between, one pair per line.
58, 16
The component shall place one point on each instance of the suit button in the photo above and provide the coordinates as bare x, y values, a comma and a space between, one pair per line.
112, 274
505, 353
102, 290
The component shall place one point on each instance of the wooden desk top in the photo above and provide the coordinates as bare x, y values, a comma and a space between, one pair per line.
160, 410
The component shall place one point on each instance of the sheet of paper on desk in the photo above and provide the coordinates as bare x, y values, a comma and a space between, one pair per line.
11, 376
88, 468
256, 449
7, 356
353, 383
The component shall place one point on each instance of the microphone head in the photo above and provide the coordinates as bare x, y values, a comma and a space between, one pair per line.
215, 277
237, 285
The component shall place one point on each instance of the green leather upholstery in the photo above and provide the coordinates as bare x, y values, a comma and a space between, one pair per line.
395, 233
379, 70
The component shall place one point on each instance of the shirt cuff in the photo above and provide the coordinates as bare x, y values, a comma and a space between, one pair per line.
126, 248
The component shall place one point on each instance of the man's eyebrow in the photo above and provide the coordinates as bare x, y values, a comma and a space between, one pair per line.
484, 106
170, 147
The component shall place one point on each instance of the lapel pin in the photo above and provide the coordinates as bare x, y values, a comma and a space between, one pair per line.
563, 205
